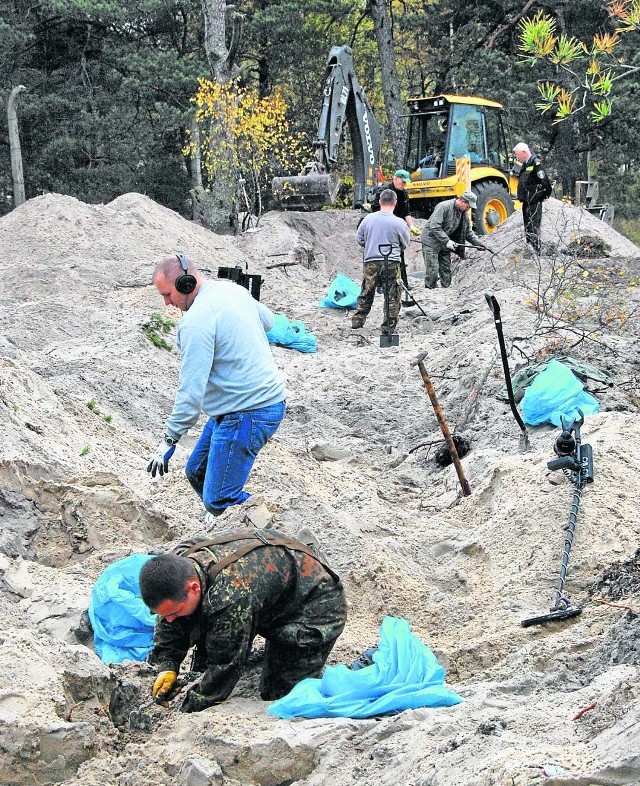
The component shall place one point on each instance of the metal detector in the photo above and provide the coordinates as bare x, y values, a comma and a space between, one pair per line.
495, 310
576, 461
387, 337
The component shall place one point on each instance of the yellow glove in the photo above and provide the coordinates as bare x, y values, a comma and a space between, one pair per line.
414, 229
164, 684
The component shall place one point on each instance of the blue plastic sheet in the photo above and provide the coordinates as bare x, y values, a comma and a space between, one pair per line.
555, 393
342, 293
122, 624
405, 674
292, 334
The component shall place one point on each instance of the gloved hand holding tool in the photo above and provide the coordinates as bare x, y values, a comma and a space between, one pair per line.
452, 245
164, 684
414, 230
160, 459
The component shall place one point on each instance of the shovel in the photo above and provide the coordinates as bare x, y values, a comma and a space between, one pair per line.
495, 310
387, 338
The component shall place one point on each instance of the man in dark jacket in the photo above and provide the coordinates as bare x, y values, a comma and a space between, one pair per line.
534, 187
402, 210
447, 230
219, 593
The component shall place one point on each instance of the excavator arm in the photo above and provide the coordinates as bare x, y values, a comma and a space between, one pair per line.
343, 100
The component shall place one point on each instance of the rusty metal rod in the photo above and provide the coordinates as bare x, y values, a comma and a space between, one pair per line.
464, 483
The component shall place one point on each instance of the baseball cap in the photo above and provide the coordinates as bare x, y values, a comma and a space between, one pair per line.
469, 197
403, 175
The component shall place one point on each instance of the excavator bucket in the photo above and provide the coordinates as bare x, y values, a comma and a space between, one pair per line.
305, 192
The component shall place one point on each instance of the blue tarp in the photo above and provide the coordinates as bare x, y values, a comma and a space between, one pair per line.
554, 393
122, 624
292, 334
405, 674
342, 293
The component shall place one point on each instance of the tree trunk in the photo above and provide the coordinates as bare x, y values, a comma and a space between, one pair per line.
14, 145
390, 81
217, 207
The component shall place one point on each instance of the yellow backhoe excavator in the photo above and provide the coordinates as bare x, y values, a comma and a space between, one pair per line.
454, 143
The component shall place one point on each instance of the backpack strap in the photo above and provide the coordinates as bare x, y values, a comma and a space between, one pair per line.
257, 540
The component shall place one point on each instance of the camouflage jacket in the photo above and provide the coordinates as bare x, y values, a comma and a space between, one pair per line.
448, 223
258, 593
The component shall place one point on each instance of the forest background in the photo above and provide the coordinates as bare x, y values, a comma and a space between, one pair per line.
111, 89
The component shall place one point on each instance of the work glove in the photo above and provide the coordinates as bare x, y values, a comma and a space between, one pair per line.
452, 245
414, 229
160, 459
164, 684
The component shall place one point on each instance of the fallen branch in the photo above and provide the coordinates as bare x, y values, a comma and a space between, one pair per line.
283, 264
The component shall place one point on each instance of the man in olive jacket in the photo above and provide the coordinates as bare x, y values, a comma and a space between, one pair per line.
448, 229
219, 593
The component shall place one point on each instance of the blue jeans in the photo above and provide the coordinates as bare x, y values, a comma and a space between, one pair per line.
223, 457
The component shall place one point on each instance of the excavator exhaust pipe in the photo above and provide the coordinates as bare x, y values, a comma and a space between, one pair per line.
305, 192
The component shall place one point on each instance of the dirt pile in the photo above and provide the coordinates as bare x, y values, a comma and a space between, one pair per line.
83, 396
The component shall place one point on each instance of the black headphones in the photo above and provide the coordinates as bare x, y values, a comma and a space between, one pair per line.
185, 283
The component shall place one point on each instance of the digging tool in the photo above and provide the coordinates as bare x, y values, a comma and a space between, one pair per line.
413, 301
495, 310
387, 338
576, 461
419, 362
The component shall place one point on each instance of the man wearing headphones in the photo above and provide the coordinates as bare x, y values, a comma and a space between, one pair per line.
228, 372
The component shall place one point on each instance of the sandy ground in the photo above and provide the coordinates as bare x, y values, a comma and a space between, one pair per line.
83, 395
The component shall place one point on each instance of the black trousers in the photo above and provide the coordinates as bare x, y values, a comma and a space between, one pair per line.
532, 217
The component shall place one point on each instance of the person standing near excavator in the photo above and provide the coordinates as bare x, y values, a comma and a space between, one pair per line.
448, 230
402, 210
380, 229
534, 187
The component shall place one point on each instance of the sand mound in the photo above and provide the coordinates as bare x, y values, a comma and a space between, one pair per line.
83, 395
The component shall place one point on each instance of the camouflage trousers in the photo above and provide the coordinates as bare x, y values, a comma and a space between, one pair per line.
436, 264
374, 276
299, 647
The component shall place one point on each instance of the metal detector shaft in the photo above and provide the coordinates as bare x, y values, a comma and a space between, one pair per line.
495, 310
573, 516
464, 483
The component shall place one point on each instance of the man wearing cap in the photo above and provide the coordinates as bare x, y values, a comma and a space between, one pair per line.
448, 229
534, 187
402, 210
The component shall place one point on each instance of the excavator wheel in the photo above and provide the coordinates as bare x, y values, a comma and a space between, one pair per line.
494, 207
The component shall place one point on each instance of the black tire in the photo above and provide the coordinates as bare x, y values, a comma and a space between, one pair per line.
494, 207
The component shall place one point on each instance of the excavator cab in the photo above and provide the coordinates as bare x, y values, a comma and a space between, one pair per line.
456, 143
